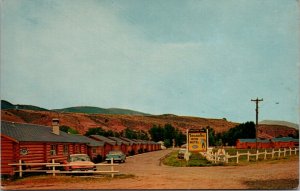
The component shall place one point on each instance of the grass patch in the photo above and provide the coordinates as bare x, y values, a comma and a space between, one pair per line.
195, 160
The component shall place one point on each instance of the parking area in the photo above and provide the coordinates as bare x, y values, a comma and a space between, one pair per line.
147, 173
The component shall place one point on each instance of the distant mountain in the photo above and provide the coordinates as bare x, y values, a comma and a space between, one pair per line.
80, 109
98, 110
7, 105
282, 123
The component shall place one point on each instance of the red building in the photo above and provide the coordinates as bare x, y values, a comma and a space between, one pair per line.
133, 145
36, 144
109, 145
95, 148
284, 142
123, 144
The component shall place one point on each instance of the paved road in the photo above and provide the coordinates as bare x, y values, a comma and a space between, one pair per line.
150, 175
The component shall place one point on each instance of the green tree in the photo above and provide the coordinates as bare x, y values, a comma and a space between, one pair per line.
130, 133
241, 131
156, 133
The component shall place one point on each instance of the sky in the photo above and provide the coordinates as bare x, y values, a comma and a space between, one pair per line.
203, 58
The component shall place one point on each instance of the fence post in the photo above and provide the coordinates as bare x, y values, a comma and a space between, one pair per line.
20, 168
237, 156
248, 156
265, 157
272, 153
290, 151
256, 155
53, 168
278, 153
295, 151
284, 152
215, 157
112, 167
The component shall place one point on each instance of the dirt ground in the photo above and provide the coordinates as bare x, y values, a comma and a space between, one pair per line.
147, 173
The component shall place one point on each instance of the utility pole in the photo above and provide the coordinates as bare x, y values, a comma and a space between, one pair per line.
256, 125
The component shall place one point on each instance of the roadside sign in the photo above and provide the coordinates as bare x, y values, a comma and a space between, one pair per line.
197, 140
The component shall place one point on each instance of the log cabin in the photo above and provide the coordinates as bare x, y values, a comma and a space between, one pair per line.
36, 144
284, 142
132, 147
95, 149
109, 145
124, 145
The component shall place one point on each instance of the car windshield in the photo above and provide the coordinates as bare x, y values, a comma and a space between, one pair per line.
182, 150
79, 158
115, 153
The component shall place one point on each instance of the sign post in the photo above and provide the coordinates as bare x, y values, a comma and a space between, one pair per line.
197, 140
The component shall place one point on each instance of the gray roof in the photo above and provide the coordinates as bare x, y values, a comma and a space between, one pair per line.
284, 139
104, 139
140, 141
131, 142
90, 142
119, 141
253, 140
35, 133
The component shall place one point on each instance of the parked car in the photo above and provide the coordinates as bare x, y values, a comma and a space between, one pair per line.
79, 162
118, 156
181, 153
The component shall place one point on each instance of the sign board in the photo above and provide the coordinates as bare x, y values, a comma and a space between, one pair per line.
197, 140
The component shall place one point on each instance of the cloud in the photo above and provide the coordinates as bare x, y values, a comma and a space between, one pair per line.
179, 57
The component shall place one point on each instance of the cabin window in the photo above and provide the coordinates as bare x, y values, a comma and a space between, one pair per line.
94, 150
66, 149
53, 150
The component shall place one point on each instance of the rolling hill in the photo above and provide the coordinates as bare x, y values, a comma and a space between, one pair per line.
98, 110
83, 118
7, 105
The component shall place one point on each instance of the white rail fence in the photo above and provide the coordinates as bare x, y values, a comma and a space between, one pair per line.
51, 168
215, 157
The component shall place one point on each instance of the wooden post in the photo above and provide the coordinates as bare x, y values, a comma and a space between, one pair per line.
290, 151
237, 156
272, 153
248, 156
20, 168
265, 155
112, 167
256, 155
226, 157
215, 157
284, 152
278, 153
295, 151
53, 168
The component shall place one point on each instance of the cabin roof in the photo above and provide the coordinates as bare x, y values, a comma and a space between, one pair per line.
119, 141
253, 140
284, 139
129, 140
35, 133
90, 142
104, 139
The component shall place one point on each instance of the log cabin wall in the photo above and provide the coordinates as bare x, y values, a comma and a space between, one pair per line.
9, 155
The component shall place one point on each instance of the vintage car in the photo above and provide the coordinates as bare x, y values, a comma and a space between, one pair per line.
117, 156
181, 153
79, 162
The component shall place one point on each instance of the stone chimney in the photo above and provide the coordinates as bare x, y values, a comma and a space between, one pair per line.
55, 126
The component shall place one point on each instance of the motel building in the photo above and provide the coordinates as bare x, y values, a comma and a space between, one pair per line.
36, 144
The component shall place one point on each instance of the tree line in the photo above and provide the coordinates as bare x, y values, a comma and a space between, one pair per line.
171, 135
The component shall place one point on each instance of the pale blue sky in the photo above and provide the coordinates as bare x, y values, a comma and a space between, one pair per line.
205, 58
